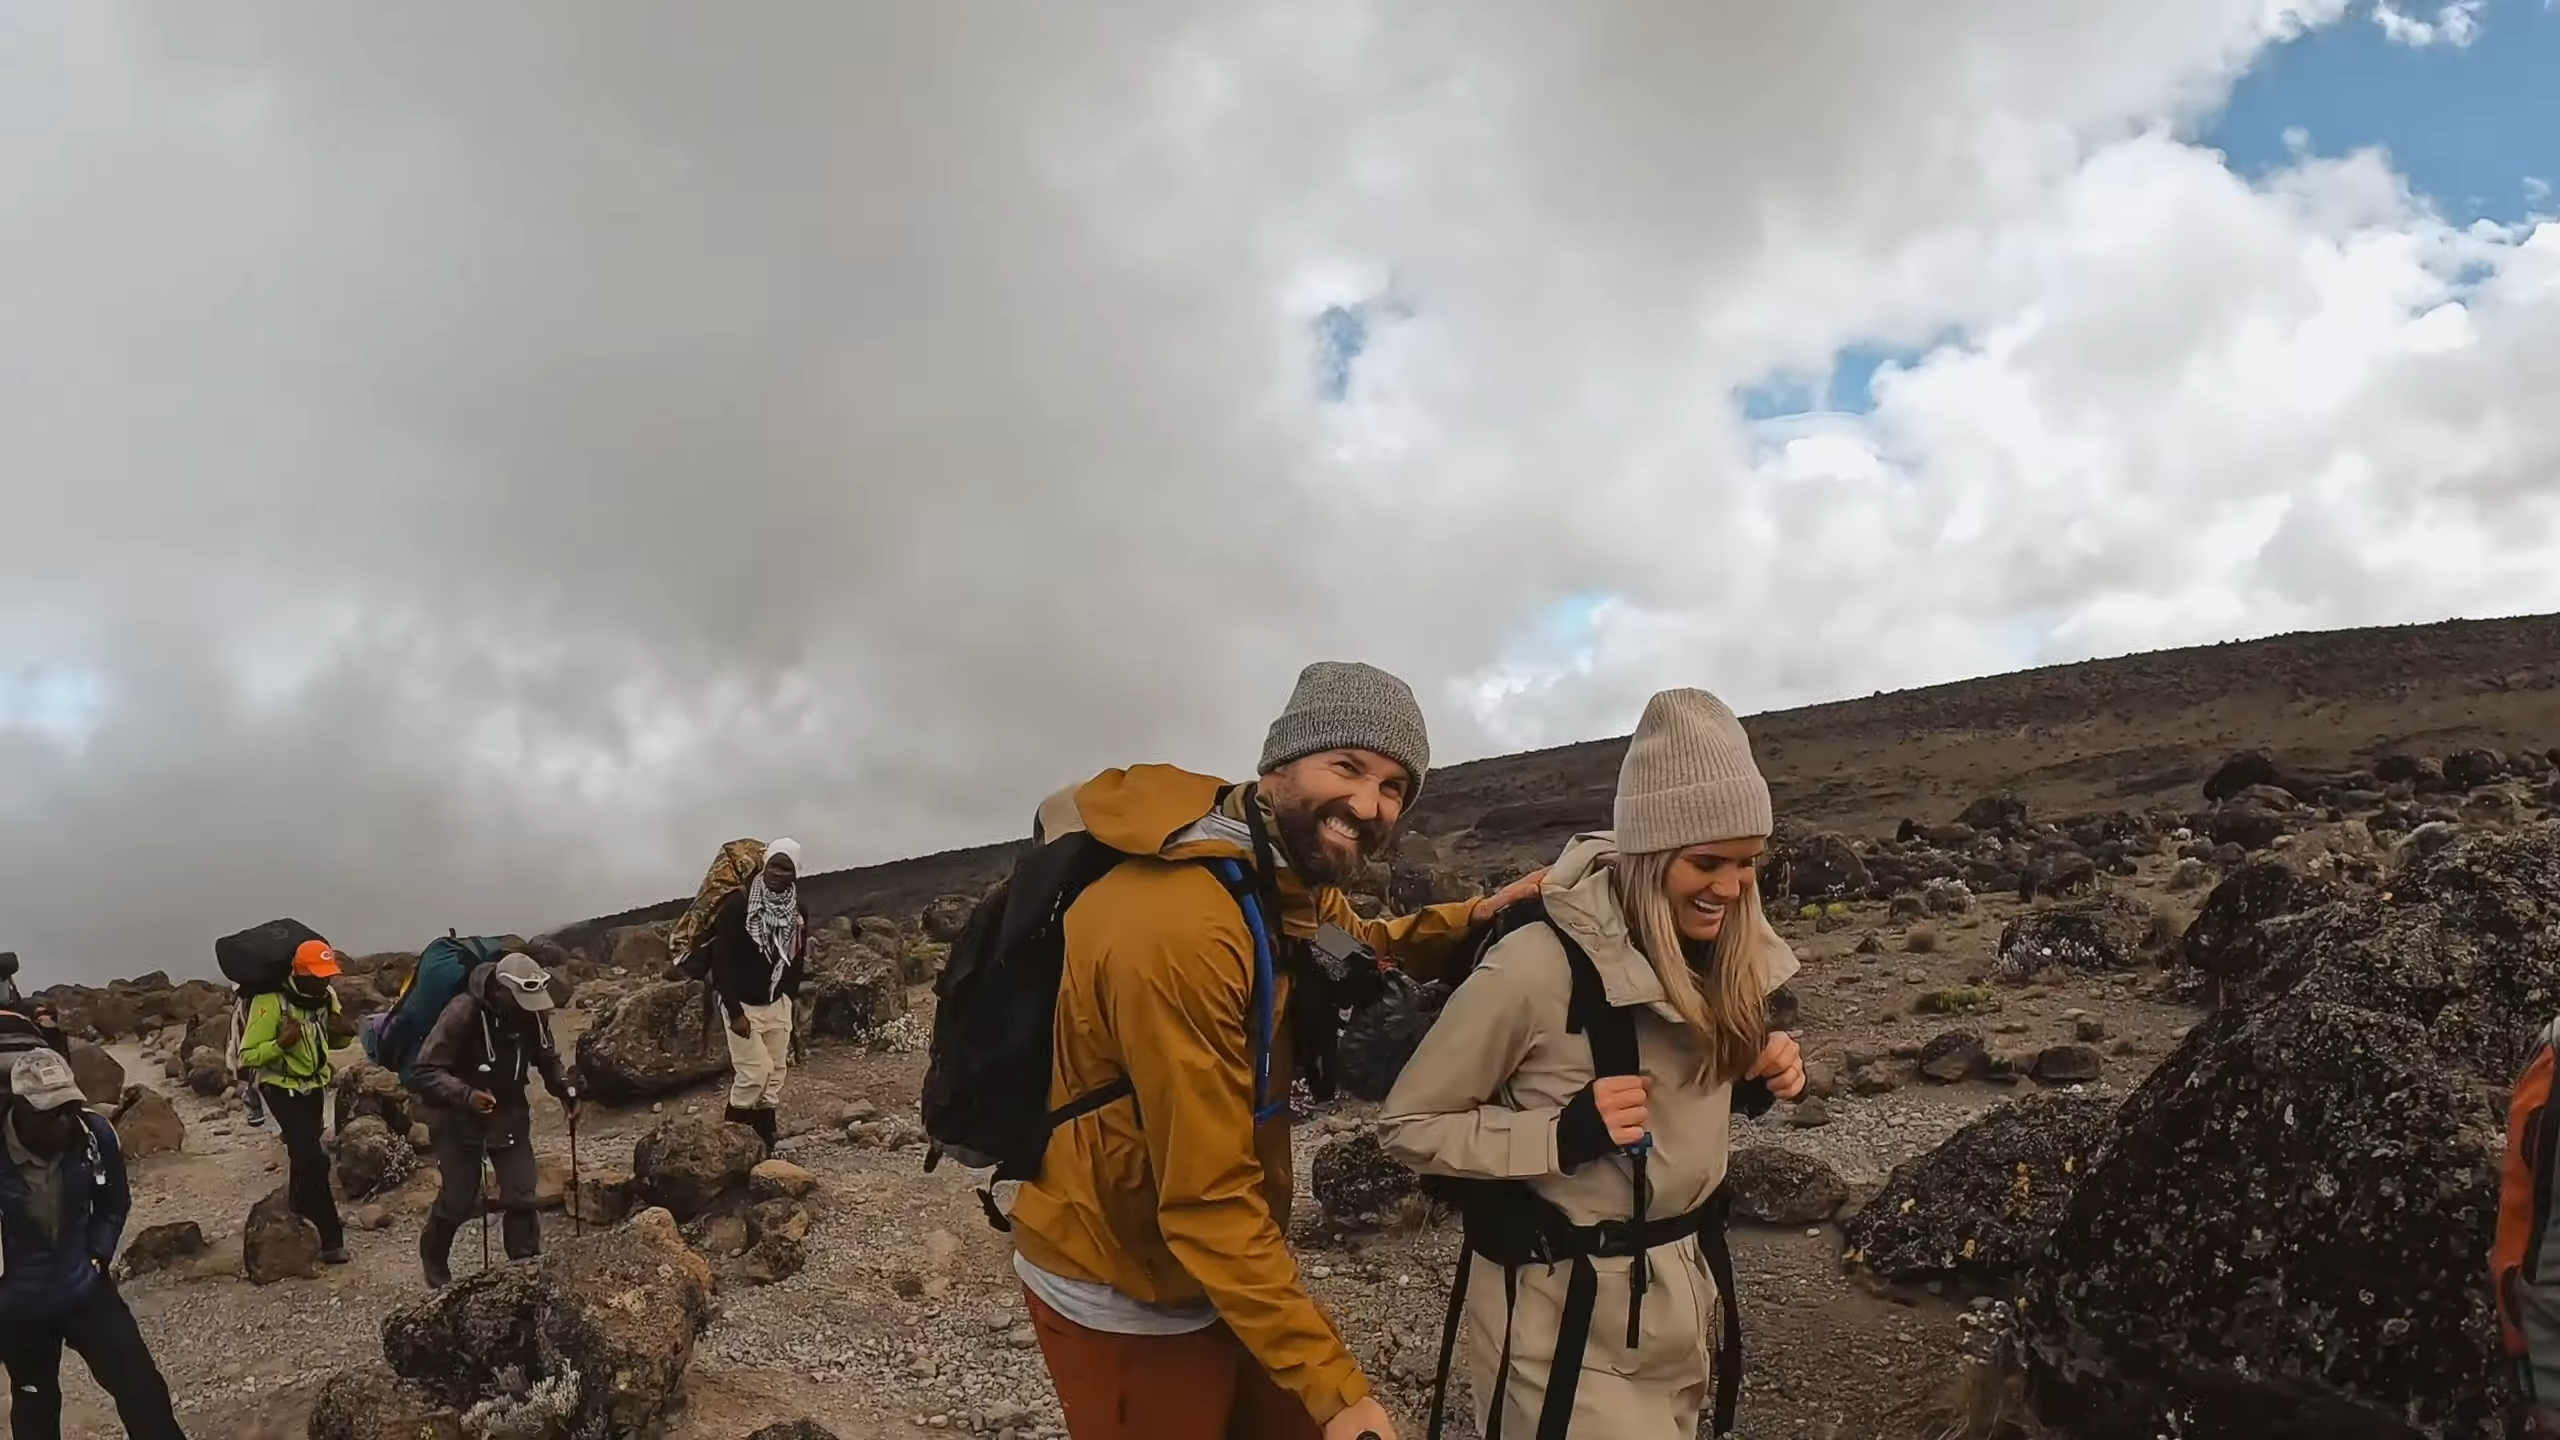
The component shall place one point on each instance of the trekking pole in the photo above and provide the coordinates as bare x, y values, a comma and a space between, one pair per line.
480, 1192
577, 1221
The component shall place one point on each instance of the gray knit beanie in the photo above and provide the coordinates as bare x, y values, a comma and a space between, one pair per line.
1344, 705
1688, 778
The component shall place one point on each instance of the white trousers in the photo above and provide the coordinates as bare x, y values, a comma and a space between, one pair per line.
758, 1058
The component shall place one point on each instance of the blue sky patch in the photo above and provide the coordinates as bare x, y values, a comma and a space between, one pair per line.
2472, 126
1846, 388
60, 703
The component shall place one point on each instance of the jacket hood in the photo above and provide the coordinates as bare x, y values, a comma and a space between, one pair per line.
1582, 900
1147, 810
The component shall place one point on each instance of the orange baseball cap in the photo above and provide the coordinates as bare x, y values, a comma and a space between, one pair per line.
316, 959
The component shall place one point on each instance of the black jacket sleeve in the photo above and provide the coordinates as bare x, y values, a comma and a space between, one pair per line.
732, 955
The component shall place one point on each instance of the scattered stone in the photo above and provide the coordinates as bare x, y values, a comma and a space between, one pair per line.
1356, 1183
688, 1166
366, 1089
1947, 897
370, 1403
722, 1237
601, 1198
2002, 812
2068, 1065
2234, 933
1824, 866
101, 1078
1880, 1078
147, 1124
1954, 1056
277, 1244
1810, 1113
162, 1247
777, 1240
854, 995
2089, 1029
1777, 1186
944, 919
370, 1217
2102, 933
598, 1332
780, 1180
368, 1160
651, 1042
1871, 944
794, 1430
1977, 1209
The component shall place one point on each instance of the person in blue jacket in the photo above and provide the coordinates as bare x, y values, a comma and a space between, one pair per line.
63, 1203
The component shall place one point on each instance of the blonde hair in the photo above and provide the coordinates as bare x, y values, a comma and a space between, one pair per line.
1724, 1008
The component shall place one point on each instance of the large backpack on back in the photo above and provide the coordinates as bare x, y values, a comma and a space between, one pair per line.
443, 967
260, 958
2521, 1254
737, 863
986, 1086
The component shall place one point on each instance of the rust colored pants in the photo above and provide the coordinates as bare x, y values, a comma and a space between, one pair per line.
1200, 1386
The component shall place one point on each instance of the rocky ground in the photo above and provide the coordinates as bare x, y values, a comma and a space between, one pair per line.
2063, 937
906, 1319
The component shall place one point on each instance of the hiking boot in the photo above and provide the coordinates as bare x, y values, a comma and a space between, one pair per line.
765, 1122
740, 1115
435, 1253
337, 1256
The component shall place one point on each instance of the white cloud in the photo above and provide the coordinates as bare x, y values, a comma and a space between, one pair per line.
2456, 24
484, 488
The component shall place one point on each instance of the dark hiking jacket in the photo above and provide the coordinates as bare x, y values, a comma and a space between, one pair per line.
47, 1275
481, 1042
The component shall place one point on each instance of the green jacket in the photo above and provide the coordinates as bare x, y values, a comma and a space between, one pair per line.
302, 1066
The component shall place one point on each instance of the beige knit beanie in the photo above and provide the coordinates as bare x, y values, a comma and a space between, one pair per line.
1688, 778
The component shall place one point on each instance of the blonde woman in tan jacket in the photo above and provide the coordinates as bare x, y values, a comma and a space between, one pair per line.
1575, 1096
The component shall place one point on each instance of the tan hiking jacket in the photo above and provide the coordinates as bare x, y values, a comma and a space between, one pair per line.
1480, 1098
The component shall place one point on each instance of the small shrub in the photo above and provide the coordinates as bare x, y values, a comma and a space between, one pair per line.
1810, 912
1956, 1000
1923, 940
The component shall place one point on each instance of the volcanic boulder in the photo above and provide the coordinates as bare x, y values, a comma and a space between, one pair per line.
1777, 1186
147, 1124
600, 1330
1976, 1209
1826, 866
1357, 1183
101, 1077
689, 1166
651, 1042
853, 993
2283, 1235
277, 1244
369, 1159
2106, 931
366, 1089
2230, 937
163, 1246
370, 1403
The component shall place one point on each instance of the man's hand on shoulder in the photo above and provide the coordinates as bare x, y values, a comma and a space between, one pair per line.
1524, 888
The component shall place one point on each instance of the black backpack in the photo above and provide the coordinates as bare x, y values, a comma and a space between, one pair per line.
1510, 1224
986, 1084
260, 959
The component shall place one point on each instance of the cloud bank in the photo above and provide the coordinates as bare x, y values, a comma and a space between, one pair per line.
464, 463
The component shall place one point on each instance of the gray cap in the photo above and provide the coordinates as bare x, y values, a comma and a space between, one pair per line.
525, 979
1344, 705
44, 1079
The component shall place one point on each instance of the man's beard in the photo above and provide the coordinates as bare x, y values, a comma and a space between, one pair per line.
1302, 841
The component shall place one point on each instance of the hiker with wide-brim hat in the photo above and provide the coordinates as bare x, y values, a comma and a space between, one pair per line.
1575, 1096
